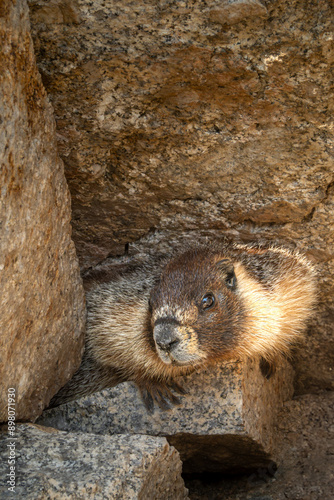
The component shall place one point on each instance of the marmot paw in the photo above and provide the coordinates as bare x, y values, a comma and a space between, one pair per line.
161, 395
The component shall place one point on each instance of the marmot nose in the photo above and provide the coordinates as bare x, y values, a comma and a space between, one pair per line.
167, 344
166, 336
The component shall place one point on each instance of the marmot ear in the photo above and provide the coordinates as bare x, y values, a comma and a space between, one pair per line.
226, 266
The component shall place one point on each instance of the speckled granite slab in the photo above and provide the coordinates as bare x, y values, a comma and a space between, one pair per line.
59, 465
225, 422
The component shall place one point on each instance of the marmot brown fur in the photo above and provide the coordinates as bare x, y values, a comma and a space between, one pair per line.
152, 322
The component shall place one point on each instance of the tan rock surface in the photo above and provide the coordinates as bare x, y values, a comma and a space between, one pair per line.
226, 422
174, 115
53, 464
41, 304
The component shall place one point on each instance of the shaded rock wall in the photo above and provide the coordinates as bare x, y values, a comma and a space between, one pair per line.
42, 303
180, 117
306, 443
187, 115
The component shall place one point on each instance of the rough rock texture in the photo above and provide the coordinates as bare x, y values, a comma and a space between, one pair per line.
42, 302
306, 446
186, 116
53, 464
167, 113
226, 422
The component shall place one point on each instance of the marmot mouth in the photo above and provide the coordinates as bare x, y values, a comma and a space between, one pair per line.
171, 360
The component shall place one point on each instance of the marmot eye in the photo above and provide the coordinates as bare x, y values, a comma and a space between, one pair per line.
208, 301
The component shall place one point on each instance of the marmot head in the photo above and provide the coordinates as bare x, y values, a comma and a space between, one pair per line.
195, 307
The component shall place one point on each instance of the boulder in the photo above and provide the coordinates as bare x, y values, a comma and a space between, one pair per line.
42, 306
54, 464
226, 422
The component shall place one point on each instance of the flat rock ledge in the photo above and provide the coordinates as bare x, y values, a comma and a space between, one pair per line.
226, 422
55, 464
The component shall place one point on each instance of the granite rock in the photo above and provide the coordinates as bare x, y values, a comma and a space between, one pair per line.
42, 309
183, 115
54, 464
226, 422
305, 434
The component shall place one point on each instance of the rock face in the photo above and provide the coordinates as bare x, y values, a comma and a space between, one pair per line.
187, 117
53, 464
42, 304
178, 115
225, 423
306, 443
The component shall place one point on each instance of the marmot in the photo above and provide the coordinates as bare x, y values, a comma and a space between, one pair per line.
154, 321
